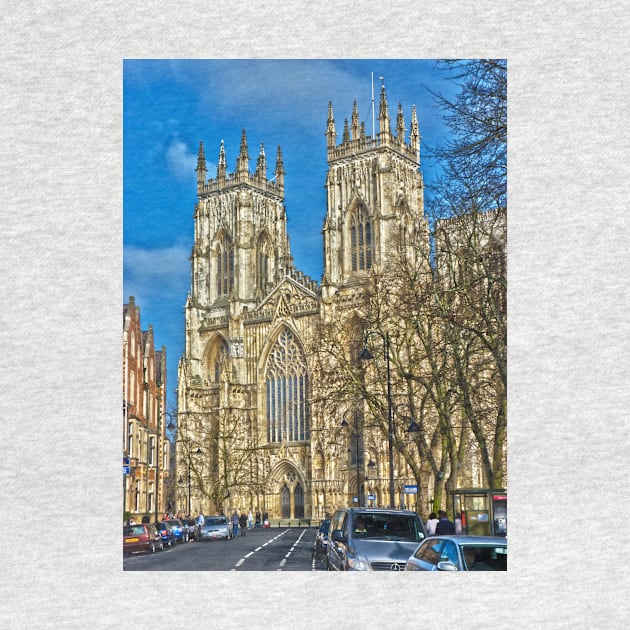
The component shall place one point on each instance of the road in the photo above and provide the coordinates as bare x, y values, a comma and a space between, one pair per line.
280, 549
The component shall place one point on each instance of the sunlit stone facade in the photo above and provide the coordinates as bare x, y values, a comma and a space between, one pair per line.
249, 436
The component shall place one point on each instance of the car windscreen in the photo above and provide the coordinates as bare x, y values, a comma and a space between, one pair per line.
133, 530
403, 527
216, 520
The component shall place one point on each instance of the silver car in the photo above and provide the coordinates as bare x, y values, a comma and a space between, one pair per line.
460, 553
215, 527
370, 539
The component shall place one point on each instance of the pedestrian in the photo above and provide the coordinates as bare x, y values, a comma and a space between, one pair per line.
266, 520
234, 519
444, 526
257, 523
250, 520
242, 521
432, 524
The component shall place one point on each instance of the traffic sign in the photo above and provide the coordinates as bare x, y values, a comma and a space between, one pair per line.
411, 489
371, 497
126, 470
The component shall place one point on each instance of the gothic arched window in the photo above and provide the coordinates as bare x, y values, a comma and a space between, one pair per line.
361, 240
221, 361
286, 382
225, 267
262, 262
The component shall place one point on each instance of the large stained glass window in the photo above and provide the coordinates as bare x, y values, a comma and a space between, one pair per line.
361, 240
225, 267
286, 383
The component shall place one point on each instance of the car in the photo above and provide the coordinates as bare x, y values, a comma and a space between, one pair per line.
372, 539
215, 527
166, 532
321, 539
460, 553
191, 525
179, 529
141, 537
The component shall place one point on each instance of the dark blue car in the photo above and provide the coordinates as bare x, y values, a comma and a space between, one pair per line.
179, 530
166, 532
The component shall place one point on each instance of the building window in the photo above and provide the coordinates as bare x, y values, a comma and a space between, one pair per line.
286, 381
152, 451
262, 263
225, 267
221, 364
361, 240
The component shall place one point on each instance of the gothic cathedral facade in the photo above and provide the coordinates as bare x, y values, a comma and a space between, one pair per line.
249, 436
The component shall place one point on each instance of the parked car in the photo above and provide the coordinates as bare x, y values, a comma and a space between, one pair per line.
372, 539
321, 540
191, 526
179, 529
460, 553
216, 527
166, 532
141, 537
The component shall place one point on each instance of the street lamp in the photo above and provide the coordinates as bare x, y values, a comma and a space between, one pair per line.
366, 355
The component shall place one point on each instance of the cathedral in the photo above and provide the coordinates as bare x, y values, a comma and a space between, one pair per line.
255, 430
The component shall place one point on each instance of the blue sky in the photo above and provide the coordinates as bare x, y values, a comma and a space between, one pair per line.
169, 106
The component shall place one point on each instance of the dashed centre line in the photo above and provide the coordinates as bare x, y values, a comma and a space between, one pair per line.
251, 553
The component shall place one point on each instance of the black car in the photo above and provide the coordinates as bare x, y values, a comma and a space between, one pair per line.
166, 532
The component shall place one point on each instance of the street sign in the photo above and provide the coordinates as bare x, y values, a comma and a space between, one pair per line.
126, 470
125, 461
371, 497
355, 499
411, 489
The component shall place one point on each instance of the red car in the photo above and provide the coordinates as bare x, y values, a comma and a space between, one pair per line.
141, 537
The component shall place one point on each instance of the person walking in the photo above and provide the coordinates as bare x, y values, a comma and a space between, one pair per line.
432, 524
250, 520
257, 523
265, 519
242, 521
444, 526
234, 519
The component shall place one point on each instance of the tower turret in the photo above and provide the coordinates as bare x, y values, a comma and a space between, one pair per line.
346, 132
383, 118
279, 169
221, 165
261, 164
355, 121
414, 138
400, 125
201, 169
331, 134
242, 164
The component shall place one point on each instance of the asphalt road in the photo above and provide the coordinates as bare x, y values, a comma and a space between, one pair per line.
280, 549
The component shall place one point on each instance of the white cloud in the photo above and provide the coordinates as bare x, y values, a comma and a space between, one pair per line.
165, 271
181, 162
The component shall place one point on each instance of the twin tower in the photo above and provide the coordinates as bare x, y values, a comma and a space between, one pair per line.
252, 318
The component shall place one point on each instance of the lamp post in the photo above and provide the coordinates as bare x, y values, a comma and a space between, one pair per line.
366, 355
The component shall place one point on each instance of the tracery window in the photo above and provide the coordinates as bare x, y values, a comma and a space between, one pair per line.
286, 382
361, 246
221, 361
262, 263
225, 266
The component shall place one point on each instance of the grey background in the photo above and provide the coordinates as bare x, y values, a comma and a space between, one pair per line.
60, 332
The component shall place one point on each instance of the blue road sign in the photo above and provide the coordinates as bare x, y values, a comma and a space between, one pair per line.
411, 489
126, 470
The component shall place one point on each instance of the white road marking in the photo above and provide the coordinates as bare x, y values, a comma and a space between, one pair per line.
238, 564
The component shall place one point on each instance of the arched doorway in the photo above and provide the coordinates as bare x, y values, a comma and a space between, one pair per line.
298, 495
285, 502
